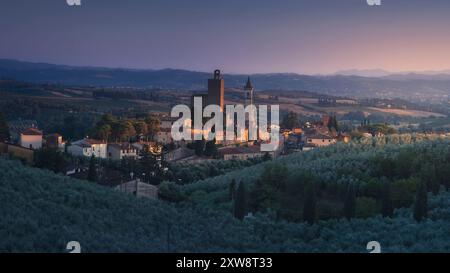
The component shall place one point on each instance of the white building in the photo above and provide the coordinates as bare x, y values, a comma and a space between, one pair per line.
88, 147
31, 138
118, 151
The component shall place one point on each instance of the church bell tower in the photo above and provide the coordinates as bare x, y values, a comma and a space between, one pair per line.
248, 93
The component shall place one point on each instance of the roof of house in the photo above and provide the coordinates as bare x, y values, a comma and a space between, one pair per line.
87, 142
94, 141
318, 135
31, 132
122, 146
240, 150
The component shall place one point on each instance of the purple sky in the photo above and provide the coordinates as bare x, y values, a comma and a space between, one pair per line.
240, 36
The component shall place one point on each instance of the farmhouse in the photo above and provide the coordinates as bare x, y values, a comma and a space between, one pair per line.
31, 138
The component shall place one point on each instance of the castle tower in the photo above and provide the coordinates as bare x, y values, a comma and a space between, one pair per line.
216, 90
248, 93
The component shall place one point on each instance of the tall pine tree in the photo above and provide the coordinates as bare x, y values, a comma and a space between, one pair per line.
240, 202
92, 171
232, 189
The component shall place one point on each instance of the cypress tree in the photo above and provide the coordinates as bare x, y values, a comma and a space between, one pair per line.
232, 189
240, 202
211, 148
309, 207
421, 203
199, 147
387, 209
257, 197
92, 171
4, 129
350, 203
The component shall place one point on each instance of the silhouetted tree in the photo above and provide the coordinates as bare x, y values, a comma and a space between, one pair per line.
421, 203
211, 148
350, 202
232, 189
4, 128
240, 202
290, 121
309, 208
387, 209
199, 146
92, 171
266, 157
153, 126
51, 159
333, 123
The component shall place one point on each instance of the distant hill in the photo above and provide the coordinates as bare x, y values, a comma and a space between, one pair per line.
401, 86
364, 72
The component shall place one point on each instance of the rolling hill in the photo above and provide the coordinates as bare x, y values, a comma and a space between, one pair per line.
41, 211
402, 86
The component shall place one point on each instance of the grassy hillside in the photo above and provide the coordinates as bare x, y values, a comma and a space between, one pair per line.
41, 212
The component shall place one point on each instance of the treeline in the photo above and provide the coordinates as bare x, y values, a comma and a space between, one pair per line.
70, 120
117, 94
112, 129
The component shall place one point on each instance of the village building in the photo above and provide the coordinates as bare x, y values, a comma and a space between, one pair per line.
55, 141
243, 153
31, 138
139, 189
320, 140
119, 151
146, 147
88, 147
178, 154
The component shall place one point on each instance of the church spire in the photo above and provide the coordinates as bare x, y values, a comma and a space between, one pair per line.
248, 93
249, 84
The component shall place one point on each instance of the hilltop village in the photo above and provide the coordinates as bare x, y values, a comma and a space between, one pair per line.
128, 152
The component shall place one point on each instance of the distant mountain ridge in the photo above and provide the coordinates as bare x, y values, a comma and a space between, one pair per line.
397, 85
380, 73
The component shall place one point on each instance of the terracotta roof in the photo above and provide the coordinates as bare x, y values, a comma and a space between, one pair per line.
240, 150
319, 136
31, 132
93, 141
